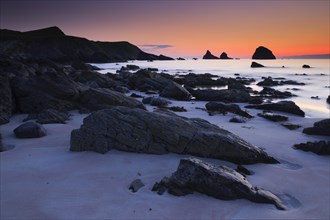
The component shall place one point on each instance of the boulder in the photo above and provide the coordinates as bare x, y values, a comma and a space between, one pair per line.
161, 132
328, 99
175, 91
7, 102
263, 53
224, 56
224, 95
306, 66
217, 181
95, 99
30, 130
272, 93
49, 116
256, 65
318, 147
273, 117
319, 128
136, 185
156, 101
282, 106
224, 108
145, 79
209, 56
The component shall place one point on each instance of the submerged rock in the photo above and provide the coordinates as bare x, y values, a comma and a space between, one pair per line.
273, 117
256, 65
136, 130
282, 106
224, 108
291, 126
263, 53
217, 181
318, 147
209, 56
319, 128
30, 130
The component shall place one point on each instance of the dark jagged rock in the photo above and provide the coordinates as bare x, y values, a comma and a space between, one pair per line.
318, 147
256, 65
268, 82
224, 56
95, 99
291, 126
319, 128
217, 181
145, 80
272, 93
242, 170
282, 106
30, 130
273, 117
175, 91
306, 66
52, 43
156, 101
49, 116
224, 108
136, 130
237, 120
136, 185
209, 56
225, 95
7, 102
161, 187
263, 53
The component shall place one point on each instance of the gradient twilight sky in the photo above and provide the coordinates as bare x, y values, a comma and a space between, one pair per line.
183, 28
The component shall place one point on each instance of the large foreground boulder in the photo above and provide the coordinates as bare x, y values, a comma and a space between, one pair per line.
136, 130
263, 53
30, 130
319, 128
218, 181
282, 106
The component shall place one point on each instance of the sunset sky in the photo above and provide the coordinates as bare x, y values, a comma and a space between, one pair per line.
183, 28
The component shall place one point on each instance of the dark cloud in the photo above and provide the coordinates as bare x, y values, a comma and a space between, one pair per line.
155, 46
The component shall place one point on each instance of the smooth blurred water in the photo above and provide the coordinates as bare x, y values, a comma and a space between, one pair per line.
317, 78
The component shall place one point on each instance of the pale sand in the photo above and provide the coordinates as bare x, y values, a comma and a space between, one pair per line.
42, 179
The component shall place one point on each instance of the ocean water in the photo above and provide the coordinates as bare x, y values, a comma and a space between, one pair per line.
316, 78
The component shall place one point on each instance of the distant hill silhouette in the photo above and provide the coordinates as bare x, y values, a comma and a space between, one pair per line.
51, 43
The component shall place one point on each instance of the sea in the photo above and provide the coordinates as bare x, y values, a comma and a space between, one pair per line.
311, 97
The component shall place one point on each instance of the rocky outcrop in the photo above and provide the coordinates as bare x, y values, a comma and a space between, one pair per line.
225, 95
319, 128
52, 43
224, 56
217, 181
175, 91
136, 130
30, 130
318, 147
224, 108
101, 98
263, 53
282, 106
273, 117
256, 65
7, 102
209, 56
49, 116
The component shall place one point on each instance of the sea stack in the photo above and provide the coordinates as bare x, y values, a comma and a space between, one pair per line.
209, 56
224, 56
263, 53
